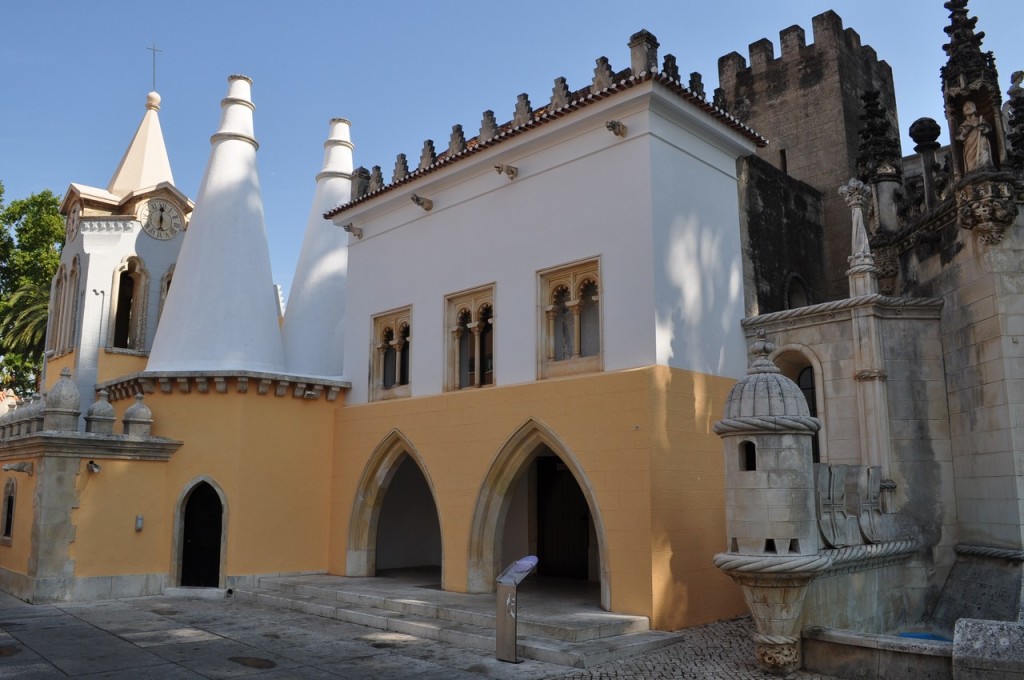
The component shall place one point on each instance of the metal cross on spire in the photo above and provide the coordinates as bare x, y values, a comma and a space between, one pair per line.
154, 50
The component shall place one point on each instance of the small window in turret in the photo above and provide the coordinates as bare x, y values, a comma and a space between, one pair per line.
748, 457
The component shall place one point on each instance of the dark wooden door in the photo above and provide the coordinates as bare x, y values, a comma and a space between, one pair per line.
200, 552
563, 522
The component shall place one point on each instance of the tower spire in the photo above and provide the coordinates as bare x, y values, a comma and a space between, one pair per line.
145, 162
221, 311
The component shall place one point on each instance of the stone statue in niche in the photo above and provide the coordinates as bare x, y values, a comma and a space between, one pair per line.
973, 134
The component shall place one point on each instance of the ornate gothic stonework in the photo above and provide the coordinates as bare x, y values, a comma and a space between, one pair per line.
987, 206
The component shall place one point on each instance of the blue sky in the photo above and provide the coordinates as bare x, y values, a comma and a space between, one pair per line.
74, 75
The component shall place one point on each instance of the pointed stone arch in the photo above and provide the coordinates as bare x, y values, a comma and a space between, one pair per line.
179, 525
792, 359
493, 503
361, 554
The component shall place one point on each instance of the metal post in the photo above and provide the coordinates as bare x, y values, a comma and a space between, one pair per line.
508, 609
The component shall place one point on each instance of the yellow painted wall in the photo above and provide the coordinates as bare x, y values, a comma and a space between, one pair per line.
642, 438
55, 366
269, 455
688, 481
16, 555
112, 365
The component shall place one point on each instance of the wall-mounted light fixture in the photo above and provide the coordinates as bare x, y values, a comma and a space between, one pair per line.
617, 128
352, 229
138, 522
19, 467
509, 171
424, 203
93, 467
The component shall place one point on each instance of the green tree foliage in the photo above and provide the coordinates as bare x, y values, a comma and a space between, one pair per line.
31, 236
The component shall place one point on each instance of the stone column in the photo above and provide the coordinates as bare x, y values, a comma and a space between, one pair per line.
862, 274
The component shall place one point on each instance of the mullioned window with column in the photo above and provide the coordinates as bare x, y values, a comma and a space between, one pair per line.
571, 319
391, 355
470, 323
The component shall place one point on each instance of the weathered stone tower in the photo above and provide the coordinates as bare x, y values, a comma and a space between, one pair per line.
807, 102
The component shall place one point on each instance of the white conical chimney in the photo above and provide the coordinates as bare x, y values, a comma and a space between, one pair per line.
221, 310
313, 325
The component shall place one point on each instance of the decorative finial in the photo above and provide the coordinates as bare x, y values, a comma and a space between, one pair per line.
760, 350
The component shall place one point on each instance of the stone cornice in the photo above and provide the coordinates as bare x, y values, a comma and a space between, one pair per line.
826, 311
298, 386
56, 444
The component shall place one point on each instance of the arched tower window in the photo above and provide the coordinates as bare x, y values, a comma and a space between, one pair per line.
70, 330
128, 305
165, 288
56, 311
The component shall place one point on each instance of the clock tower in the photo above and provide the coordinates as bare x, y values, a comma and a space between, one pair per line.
117, 264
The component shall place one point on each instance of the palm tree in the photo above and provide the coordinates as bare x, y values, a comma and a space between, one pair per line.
23, 319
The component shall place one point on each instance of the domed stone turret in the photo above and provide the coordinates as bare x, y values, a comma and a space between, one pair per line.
765, 392
771, 523
767, 432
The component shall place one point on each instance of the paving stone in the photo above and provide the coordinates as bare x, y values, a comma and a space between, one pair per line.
189, 638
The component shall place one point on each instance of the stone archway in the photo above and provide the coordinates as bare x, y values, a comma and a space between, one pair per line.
394, 452
495, 499
200, 534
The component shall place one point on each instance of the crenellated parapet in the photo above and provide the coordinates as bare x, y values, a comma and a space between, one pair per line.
830, 41
564, 100
780, 94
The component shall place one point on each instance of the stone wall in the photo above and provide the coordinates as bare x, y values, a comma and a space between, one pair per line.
807, 103
879, 376
781, 222
981, 334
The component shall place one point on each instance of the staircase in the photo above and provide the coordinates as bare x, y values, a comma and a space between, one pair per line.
553, 626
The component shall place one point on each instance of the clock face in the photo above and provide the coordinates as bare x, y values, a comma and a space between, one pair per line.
161, 220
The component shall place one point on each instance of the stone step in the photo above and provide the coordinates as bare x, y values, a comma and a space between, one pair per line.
579, 626
578, 654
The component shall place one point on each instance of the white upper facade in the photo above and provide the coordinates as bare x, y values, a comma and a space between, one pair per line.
656, 210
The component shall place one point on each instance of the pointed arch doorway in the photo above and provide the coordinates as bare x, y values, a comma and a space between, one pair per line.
536, 499
394, 522
201, 536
